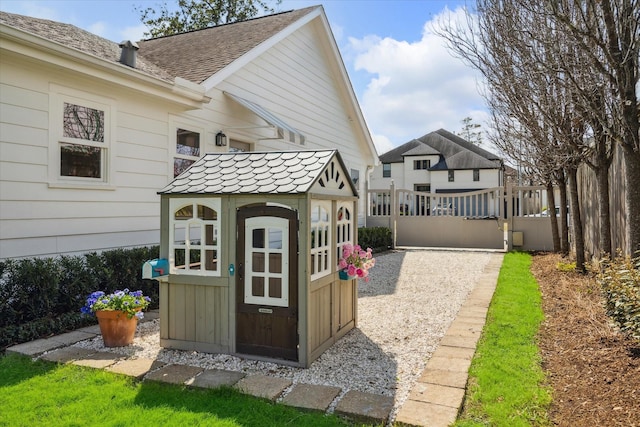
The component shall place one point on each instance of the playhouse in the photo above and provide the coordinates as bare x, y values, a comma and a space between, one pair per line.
252, 242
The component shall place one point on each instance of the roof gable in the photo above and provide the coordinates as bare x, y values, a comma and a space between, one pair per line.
197, 55
285, 172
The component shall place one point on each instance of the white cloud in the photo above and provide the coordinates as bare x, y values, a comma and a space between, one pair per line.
133, 33
98, 28
415, 88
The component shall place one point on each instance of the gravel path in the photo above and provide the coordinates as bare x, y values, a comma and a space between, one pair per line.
403, 312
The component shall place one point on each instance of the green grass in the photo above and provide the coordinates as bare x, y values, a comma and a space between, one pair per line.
506, 382
46, 394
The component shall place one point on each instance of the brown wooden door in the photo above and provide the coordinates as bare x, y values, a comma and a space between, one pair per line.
267, 282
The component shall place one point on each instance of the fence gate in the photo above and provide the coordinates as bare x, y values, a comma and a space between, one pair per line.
494, 218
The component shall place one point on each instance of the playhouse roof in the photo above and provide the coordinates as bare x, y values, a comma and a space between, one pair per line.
273, 172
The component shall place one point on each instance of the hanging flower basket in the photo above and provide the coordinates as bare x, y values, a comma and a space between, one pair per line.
344, 275
116, 327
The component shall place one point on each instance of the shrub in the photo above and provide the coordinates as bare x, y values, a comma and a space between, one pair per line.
43, 296
620, 281
376, 238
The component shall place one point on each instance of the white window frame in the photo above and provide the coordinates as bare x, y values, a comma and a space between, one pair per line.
176, 204
345, 231
59, 96
321, 254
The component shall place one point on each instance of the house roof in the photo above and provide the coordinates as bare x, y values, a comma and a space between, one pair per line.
454, 152
283, 172
197, 55
76, 38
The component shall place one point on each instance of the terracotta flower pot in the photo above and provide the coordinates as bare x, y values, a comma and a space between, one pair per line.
116, 328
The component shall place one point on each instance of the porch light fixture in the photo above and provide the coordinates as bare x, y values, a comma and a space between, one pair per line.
221, 139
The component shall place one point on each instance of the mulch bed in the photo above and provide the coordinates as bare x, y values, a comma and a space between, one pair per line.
593, 369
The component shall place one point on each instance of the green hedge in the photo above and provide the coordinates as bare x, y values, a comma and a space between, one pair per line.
376, 238
43, 296
620, 281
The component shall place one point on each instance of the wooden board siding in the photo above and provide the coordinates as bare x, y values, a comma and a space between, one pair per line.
197, 314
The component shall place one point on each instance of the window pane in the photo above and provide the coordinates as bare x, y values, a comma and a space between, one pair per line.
194, 258
83, 123
211, 235
181, 165
195, 234
179, 255
257, 262
205, 212
179, 233
188, 143
257, 286
275, 263
386, 170
275, 288
211, 263
184, 213
258, 238
80, 160
275, 239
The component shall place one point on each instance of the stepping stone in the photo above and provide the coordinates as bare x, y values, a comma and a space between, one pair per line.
444, 377
263, 386
438, 394
365, 407
214, 378
174, 374
99, 360
137, 368
94, 329
67, 354
415, 413
72, 337
311, 396
35, 348
449, 364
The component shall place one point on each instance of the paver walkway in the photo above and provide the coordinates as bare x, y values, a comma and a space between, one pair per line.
434, 401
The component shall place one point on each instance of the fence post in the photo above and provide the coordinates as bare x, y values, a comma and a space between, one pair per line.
508, 224
392, 216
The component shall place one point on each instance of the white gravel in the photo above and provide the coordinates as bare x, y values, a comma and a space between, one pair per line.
403, 312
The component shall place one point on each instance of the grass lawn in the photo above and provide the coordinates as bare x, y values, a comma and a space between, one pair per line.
506, 382
47, 394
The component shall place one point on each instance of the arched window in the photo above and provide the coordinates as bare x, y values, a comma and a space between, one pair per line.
320, 238
344, 227
194, 236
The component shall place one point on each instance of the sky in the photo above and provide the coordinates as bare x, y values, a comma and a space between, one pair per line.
407, 83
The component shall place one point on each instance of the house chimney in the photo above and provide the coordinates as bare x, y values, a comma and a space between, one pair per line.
128, 54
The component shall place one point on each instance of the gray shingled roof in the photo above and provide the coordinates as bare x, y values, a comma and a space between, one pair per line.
197, 55
286, 172
454, 152
79, 39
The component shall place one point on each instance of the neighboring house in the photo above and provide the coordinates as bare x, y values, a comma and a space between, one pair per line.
438, 162
91, 130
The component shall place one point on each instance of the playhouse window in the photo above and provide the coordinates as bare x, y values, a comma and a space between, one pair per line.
320, 238
194, 234
344, 226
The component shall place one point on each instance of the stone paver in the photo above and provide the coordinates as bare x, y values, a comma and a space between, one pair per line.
72, 337
415, 413
98, 360
263, 386
137, 368
311, 396
67, 354
214, 378
443, 377
35, 348
174, 374
438, 394
365, 407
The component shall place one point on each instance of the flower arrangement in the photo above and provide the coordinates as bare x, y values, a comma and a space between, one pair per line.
355, 261
131, 303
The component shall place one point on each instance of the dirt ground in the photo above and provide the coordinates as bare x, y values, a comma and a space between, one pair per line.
594, 370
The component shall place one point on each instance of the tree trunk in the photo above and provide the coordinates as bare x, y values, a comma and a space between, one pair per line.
564, 227
602, 183
576, 220
551, 199
632, 199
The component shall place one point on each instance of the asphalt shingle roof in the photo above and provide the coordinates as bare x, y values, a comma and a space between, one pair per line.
197, 55
285, 172
76, 38
454, 152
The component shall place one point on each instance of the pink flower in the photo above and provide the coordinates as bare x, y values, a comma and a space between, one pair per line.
351, 270
342, 264
359, 272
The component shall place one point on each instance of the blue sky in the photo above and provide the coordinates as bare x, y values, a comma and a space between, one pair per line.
406, 81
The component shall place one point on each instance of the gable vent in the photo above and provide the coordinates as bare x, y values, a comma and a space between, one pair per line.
128, 53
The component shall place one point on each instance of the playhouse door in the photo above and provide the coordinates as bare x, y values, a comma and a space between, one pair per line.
267, 283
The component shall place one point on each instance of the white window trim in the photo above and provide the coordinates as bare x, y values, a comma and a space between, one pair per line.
351, 207
178, 203
59, 95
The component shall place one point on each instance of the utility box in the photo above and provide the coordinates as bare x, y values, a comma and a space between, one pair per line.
155, 268
518, 238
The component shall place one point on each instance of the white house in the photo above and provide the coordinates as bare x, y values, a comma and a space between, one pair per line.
91, 130
438, 162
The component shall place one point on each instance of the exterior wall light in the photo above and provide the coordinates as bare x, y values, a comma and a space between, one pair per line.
221, 139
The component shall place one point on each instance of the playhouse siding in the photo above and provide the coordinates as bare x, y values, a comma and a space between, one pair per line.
40, 215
